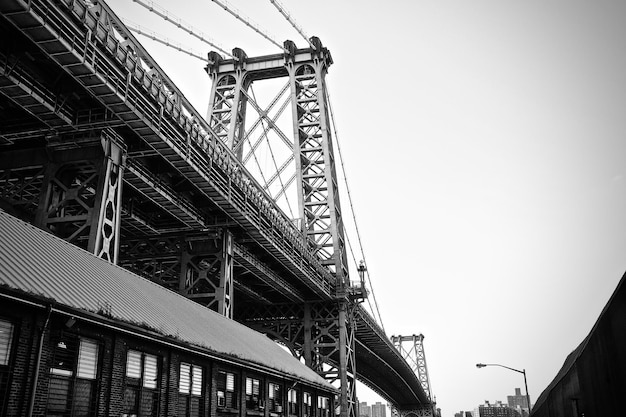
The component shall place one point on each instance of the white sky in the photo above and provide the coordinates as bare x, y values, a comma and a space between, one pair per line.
484, 144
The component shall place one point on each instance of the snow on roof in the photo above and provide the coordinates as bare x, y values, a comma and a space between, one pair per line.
35, 261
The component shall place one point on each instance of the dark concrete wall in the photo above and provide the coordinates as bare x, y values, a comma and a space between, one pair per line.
592, 381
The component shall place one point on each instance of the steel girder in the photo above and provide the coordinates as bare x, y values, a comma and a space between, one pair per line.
414, 355
323, 335
87, 43
80, 196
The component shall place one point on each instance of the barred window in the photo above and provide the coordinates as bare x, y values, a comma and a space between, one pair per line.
275, 394
307, 403
191, 397
323, 406
293, 395
6, 338
73, 377
141, 394
6, 341
226, 390
254, 401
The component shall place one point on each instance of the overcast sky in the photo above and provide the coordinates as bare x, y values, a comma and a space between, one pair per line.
484, 144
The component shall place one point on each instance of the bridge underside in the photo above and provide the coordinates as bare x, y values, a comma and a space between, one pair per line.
82, 106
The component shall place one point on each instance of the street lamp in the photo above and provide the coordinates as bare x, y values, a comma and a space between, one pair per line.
523, 372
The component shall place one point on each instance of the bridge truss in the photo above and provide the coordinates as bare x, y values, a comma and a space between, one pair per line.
100, 148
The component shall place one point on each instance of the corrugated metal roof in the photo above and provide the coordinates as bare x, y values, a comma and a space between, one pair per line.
34, 261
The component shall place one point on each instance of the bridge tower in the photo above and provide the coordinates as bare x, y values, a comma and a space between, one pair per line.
324, 333
412, 350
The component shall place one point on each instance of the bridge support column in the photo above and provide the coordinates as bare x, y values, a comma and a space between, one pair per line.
323, 333
206, 272
80, 198
347, 362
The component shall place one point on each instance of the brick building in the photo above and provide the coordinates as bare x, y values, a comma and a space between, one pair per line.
82, 337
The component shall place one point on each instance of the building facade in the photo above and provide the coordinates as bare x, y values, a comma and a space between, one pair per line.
80, 336
365, 410
379, 410
498, 409
519, 402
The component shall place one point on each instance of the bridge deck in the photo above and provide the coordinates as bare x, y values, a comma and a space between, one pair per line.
72, 68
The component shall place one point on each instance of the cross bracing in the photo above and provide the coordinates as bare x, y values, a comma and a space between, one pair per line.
82, 81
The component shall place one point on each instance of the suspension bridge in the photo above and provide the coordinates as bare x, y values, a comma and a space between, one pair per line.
100, 147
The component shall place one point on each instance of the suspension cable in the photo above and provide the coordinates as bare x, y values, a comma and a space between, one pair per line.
164, 41
332, 117
179, 23
247, 22
287, 16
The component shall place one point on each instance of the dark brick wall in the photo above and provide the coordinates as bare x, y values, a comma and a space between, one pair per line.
111, 377
22, 358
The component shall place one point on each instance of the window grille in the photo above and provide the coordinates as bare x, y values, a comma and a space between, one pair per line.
293, 402
141, 394
6, 337
253, 394
150, 371
73, 382
6, 341
275, 394
184, 384
323, 407
307, 403
226, 390
190, 387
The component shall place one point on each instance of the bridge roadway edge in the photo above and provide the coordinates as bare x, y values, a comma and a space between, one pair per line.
126, 100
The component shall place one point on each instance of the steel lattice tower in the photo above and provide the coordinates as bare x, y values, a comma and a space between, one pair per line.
326, 335
415, 357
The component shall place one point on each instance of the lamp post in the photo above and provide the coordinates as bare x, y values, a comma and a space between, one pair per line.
523, 372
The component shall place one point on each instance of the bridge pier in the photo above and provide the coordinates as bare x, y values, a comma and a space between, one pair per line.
206, 273
72, 188
81, 193
198, 266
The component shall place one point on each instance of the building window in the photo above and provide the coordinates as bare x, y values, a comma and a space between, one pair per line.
73, 377
293, 403
307, 403
6, 341
323, 407
141, 395
190, 390
254, 401
275, 402
226, 390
